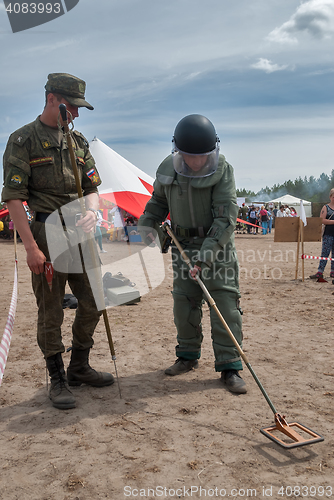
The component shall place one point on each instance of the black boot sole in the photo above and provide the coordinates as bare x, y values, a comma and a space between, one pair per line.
77, 383
66, 406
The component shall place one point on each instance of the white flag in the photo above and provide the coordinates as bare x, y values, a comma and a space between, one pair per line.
302, 213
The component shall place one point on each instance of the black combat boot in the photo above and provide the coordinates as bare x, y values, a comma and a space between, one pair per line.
233, 381
59, 393
181, 365
79, 372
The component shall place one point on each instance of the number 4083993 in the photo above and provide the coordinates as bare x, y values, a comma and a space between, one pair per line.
34, 8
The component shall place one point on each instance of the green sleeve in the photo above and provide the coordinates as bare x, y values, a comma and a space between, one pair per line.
16, 165
155, 213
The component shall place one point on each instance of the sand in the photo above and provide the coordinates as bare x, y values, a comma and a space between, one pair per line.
175, 437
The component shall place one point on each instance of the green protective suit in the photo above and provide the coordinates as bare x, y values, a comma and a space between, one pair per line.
203, 214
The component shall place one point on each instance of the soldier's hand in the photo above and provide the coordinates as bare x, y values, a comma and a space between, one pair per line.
36, 260
88, 222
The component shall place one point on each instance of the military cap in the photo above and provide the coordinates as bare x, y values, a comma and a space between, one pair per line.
68, 86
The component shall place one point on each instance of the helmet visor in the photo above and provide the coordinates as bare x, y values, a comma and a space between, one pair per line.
195, 165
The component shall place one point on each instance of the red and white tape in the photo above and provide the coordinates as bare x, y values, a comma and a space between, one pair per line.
7, 335
313, 257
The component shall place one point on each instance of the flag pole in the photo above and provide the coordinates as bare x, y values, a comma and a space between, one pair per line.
298, 242
302, 223
302, 242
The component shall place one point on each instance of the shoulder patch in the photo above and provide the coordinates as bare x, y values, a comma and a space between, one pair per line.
20, 136
93, 176
19, 139
15, 178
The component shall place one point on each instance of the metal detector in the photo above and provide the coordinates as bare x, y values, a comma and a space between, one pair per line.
283, 433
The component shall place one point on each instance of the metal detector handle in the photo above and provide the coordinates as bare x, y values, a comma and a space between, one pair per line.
63, 113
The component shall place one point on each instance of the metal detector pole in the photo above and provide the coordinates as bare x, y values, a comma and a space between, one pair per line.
63, 112
214, 306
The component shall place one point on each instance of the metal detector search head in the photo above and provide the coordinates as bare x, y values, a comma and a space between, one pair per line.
295, 439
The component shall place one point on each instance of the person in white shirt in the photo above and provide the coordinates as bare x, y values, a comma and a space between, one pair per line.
98, 233
281, 212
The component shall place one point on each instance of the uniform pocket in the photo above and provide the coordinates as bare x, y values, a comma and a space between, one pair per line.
43, 175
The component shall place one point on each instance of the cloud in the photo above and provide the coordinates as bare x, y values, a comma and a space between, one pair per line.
314, 17
268, 66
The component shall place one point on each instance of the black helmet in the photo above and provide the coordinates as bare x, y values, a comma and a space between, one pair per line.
195, 134
196, 147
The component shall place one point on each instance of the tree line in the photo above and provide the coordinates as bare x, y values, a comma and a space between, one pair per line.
311, 189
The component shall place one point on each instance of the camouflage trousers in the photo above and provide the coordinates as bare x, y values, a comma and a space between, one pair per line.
223, 285
50, 305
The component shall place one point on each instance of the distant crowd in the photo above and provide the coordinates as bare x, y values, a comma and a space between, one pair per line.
261, 217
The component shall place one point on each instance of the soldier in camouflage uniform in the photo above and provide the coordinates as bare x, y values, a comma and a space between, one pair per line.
195, 184
37, 169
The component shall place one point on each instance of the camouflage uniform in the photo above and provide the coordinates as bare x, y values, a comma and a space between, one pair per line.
37, 169
203, 214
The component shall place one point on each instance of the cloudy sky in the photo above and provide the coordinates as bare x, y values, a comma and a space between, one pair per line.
261, 70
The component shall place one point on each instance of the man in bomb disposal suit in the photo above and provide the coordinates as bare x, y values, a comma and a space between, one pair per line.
37, 169
195, 184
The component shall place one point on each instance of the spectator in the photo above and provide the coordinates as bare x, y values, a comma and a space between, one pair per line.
270, 220
252, 218
98, 233
281, 212
263, 217
327, 214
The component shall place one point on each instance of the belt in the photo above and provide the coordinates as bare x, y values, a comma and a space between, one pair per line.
190, 232
42, 216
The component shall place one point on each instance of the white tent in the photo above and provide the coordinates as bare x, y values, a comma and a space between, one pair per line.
123, 184
294, 202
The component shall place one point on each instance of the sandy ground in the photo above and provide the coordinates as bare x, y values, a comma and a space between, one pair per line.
176, 437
